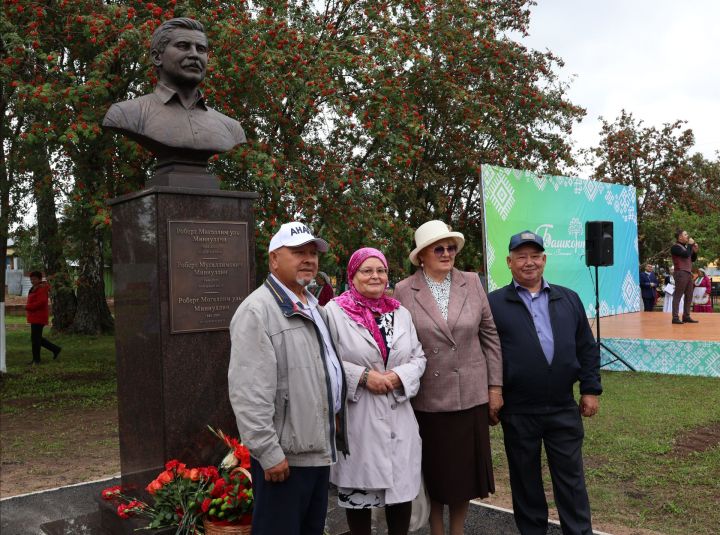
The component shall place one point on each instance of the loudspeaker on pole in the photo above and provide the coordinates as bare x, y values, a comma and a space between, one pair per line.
599, 243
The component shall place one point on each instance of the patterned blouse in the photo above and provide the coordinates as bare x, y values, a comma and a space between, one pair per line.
385, 324
441, 292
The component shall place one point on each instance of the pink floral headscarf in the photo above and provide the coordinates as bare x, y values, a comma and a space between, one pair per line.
360, 308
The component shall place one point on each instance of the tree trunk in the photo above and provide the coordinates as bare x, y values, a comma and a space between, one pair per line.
4, 181
62, 295
92, 315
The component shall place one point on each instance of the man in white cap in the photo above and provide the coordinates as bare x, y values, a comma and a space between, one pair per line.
287, 388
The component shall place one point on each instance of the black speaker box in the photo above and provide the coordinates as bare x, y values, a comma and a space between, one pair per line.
599, 243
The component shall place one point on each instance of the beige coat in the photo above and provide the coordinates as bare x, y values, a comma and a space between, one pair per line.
463, 353
383, 437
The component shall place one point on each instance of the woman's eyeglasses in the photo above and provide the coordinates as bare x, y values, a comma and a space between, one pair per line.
440, 250
368, 272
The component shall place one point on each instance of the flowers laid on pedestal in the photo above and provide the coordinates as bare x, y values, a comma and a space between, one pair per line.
206, 499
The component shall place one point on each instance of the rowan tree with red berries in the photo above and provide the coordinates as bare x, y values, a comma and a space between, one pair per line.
364, 118
675, 188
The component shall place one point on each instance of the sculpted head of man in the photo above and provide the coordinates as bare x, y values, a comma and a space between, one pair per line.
179, 51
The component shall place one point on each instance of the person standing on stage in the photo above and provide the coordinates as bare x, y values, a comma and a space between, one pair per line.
648, 287
684, 253
547, 346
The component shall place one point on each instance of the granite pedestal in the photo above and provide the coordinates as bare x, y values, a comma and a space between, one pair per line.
183, 260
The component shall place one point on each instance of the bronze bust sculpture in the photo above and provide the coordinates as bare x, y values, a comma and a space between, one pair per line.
173, 121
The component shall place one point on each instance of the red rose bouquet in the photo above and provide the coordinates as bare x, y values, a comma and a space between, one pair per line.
186, 497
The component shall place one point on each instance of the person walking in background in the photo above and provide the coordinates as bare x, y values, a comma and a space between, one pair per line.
323, 290
287, 388
648, 287
383, 360
461, 390
684, 253
37, 315
702, 294
547, 346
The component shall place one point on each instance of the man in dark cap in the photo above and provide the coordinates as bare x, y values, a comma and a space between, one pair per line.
547, 346
173, 121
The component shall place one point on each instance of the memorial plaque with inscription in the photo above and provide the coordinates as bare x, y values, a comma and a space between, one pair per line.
209, 273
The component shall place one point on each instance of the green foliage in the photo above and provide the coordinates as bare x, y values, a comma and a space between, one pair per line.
674, 188
702, 227
27, 248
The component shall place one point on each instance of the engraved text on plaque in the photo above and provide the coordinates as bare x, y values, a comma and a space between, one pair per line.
209, 273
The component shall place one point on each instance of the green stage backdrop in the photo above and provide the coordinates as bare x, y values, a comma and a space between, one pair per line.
556, 208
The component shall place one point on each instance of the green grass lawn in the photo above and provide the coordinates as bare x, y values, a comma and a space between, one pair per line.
641, 469
83, 375
637, 473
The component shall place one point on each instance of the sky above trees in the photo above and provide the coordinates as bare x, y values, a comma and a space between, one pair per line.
651, 57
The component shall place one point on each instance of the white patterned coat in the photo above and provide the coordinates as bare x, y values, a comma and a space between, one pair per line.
383, 438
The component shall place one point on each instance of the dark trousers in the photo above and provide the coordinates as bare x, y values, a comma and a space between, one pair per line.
649, 303
297, 506
562, 434
683, 286
38, 341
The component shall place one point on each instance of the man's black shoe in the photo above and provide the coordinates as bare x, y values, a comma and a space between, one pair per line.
688, 319
676, 321
56, 354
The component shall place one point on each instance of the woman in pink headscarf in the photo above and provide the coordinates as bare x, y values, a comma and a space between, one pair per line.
383, 361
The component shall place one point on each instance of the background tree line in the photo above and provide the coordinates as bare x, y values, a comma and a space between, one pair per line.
364, 118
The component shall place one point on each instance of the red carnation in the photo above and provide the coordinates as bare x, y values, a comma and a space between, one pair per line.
111, 492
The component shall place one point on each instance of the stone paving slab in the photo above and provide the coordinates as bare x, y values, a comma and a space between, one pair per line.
73, 510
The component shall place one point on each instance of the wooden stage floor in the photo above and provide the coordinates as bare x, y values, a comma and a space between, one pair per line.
657, 326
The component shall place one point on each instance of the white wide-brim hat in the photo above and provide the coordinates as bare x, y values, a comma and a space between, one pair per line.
430, 232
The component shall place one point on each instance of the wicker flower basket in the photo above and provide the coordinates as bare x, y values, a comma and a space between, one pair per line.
211, 528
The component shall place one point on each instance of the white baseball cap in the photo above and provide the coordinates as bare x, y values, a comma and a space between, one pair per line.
295, 234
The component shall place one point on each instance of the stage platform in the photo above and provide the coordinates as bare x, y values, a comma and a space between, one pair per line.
649, 342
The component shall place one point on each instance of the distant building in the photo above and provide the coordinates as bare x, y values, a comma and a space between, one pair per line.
12, 261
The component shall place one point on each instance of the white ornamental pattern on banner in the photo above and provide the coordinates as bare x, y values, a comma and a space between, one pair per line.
631, 293
591, 188
665, 356
540, 181
623, 204
500, 192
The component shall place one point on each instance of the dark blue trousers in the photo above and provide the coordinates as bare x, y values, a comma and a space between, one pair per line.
297, 506
562, 435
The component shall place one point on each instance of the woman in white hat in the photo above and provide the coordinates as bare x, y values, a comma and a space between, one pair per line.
461, 390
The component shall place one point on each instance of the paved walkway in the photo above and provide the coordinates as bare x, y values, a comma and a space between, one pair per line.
73, 510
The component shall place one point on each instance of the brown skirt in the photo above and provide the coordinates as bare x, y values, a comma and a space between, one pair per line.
456, 461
